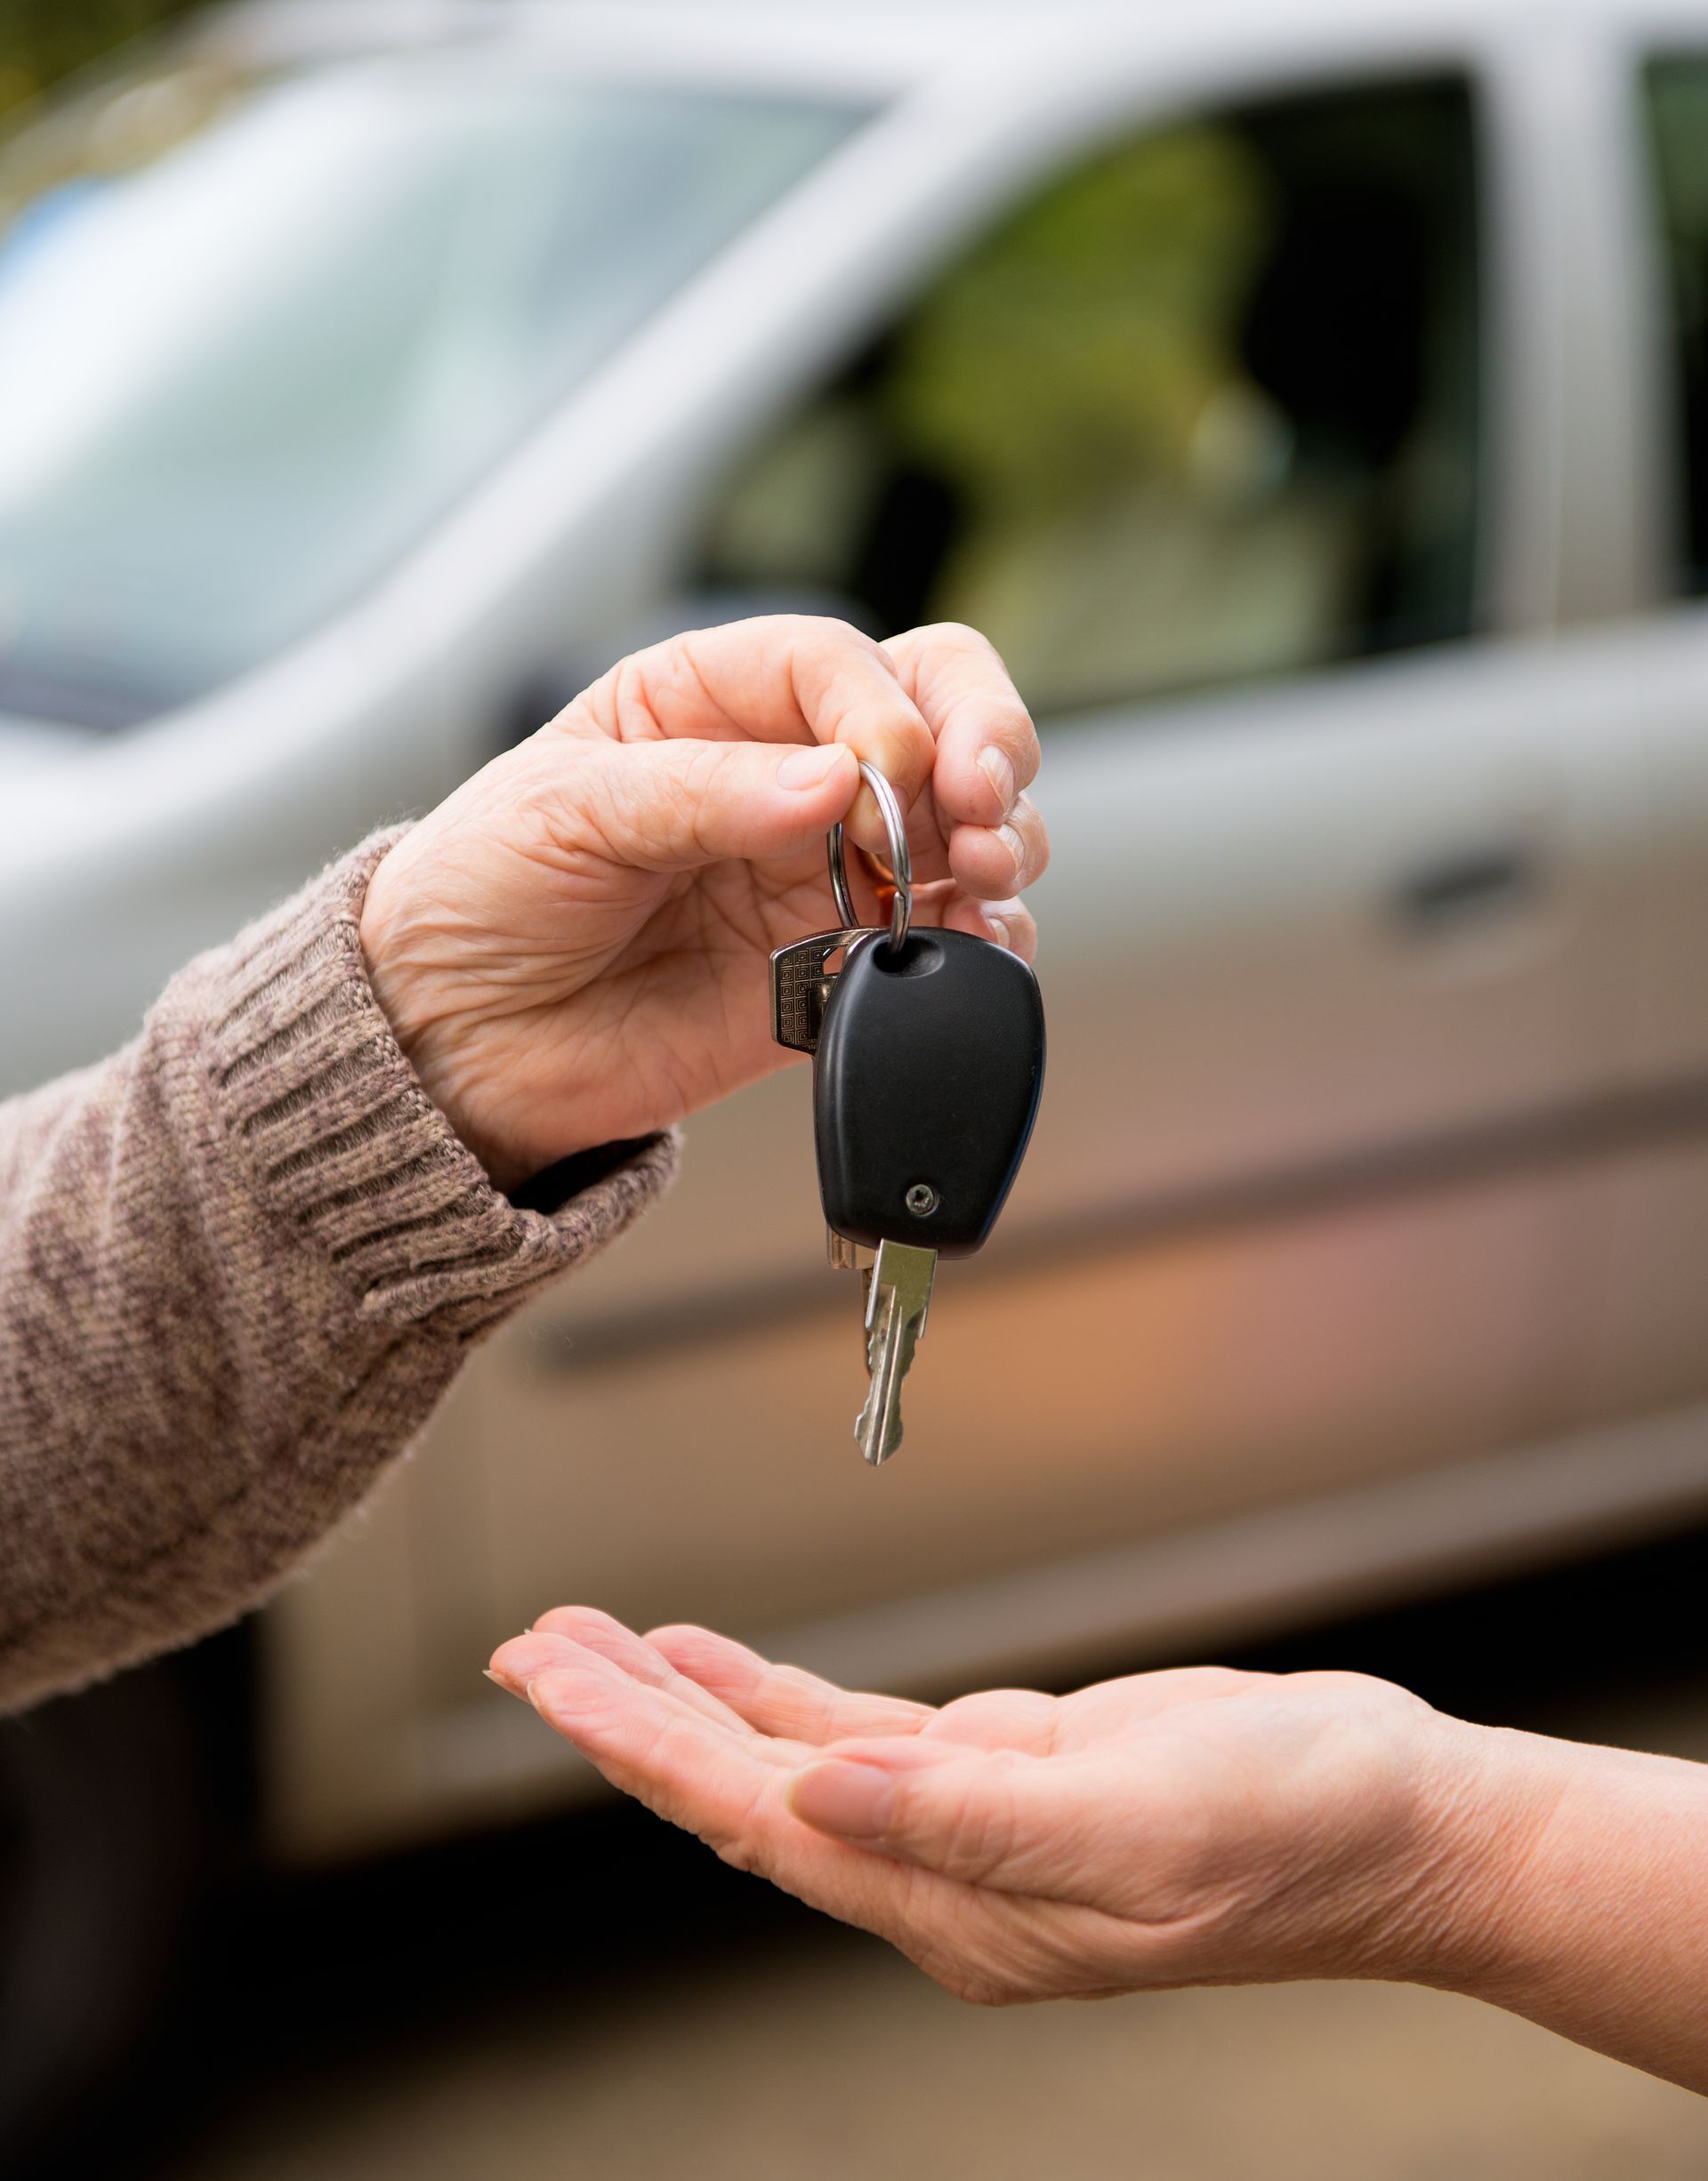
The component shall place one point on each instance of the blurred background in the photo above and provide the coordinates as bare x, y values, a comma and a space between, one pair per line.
1312, 401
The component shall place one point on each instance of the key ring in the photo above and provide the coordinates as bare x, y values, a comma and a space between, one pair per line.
901, 875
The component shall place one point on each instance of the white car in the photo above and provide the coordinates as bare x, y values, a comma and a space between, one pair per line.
1311, 399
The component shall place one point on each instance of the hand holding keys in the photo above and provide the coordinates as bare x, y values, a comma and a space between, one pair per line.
928, 1063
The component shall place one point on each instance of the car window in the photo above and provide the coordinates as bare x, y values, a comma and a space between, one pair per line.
256, 333
1676, 99
1205, 408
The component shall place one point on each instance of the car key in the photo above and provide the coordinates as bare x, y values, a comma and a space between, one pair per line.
953, 1088
800, 985
802, 979
925, 1086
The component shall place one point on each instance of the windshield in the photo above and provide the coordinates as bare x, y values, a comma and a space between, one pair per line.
254, 334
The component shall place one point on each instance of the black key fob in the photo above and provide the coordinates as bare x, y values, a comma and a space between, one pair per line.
926, 1082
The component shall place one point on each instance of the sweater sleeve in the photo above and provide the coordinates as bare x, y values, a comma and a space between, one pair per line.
240, 1264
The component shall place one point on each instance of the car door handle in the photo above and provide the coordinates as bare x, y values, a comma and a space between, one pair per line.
1473, 882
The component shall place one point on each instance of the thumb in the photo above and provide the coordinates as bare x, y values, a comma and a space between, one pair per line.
676, 805
987, 1817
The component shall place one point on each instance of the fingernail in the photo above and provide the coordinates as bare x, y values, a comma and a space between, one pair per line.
855, 1801
1015, 846
538, 1691
999, 770
998, 929
497, 1680
804, 768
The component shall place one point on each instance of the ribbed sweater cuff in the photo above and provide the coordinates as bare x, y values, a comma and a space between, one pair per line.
346, 1146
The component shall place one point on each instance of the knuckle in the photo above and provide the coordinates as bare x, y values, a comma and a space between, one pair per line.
573, 1620
1013, 725
697, 783
961, 1711
626, 809
657, 801
1363, 1693
955, 636
825, 639
1219, 1677
940, 641
628, 690
741, 1840
992, 1716
684, 1643
539, 804
980, 1836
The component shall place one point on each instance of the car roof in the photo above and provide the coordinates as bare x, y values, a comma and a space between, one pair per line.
890, 45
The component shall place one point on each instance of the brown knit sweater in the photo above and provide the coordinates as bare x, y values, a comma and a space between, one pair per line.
239, 1263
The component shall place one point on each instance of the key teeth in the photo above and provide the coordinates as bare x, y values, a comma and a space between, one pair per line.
868, 1437
897, 1296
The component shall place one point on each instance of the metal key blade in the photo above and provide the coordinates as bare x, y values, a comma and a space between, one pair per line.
800, 984
898, 1300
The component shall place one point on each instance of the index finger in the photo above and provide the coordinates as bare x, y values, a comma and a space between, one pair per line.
716, 1784
987, 745
783, 1700
777, 677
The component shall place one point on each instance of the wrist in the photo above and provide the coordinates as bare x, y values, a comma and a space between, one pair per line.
437, 1036
1558, 1877
1488, 1797
1592, 1923
1426, 1896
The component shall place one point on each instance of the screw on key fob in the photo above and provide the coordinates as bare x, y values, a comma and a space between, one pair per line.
925, 1086
926, 1083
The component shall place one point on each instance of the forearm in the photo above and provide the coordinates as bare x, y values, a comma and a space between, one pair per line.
240, 1264
1576, 1893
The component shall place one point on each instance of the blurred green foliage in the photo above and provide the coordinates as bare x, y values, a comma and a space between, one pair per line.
43, 40
1078, 348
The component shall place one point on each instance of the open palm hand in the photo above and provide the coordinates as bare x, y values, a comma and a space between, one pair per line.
1192, 1826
